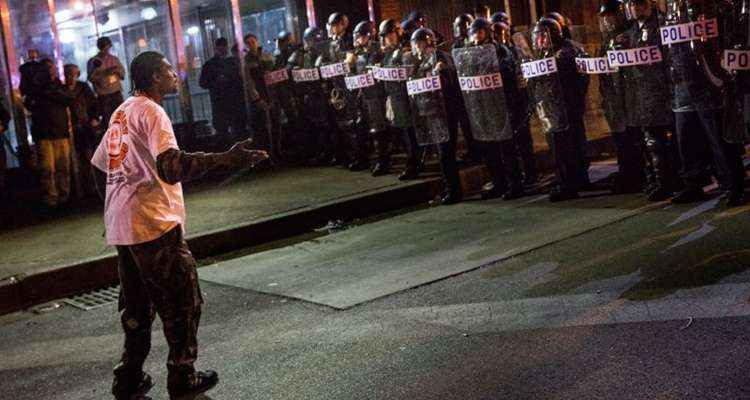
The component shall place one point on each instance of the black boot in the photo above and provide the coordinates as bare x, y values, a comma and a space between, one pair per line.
123, 389
409, 173
735, 198
691, 194
450, 197
656, 148
198, 383
381, 168
558, 195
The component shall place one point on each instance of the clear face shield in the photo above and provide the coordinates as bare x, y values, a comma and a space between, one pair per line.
421, 49
609, 23
699, 10
501, 33
478, 37
461, 30
521, 42
541, 40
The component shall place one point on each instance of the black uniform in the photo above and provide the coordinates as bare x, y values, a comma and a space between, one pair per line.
560, 101
473, 154
221, 76
284, 114
398, 110
651, 112
343, 102
613, 88
490, 113
452, 98
315, 128
371, 108
698, 81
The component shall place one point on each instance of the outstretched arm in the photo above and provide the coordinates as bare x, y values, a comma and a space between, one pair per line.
175, 166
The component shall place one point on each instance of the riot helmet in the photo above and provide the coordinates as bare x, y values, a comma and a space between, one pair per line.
480, 31
546, 38
501, 33
390, 32
500, 16
564, 23
363, 29
408, 27
418, 18
461, 26
423, 42
337, 24
312, 33
611, 16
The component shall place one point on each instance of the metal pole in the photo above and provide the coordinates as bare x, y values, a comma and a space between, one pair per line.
371, 10
14, 79
532, 11
182, 64
56, 37
311, 21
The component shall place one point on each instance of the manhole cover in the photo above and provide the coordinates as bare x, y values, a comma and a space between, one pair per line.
96, 299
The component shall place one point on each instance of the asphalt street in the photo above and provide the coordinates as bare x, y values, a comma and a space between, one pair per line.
605, 297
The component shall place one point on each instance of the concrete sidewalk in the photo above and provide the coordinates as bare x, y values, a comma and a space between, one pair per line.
68, 255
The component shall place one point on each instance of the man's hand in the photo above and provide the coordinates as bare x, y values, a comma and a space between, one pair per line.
242, 154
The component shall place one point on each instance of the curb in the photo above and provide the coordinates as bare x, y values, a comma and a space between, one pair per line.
23, 291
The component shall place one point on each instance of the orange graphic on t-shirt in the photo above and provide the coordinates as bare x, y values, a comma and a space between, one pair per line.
116, 149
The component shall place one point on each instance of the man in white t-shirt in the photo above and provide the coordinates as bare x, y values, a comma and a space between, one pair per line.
145, 219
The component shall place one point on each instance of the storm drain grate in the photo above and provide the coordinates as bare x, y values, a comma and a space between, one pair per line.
96, 299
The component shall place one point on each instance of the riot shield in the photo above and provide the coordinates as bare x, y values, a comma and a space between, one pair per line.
544, 87
482, 86
430, 116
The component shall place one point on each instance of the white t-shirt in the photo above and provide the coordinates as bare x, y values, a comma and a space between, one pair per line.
139, 206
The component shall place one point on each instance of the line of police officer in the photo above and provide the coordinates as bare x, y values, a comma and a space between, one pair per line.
688, 93
495, 79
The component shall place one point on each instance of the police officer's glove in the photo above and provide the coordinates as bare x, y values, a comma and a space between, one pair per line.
241, 156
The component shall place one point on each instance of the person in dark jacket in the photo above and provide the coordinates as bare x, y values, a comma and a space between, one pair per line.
85, 123
257, 64
221, 76
4, 125
50, 128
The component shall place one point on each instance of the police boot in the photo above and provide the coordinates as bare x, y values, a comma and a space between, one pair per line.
383, 150
411, 172
450, 197
735, 198
691, 194
661, 186
197, 383
125, 388
559, 194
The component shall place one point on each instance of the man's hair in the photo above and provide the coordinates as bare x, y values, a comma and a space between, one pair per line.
68, 67
103, 42
142, 70
221, 42
249, 35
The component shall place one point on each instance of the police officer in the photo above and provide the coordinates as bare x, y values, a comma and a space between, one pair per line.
578, 126
420, 21
612, 87
698, 83
314, 112
502, 33
398, 110
284, 109
343, 116
429, 61
496, 139
460, 39
561, 100
650, 108
371, 101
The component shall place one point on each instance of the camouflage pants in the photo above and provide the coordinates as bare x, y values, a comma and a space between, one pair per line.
158, 277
